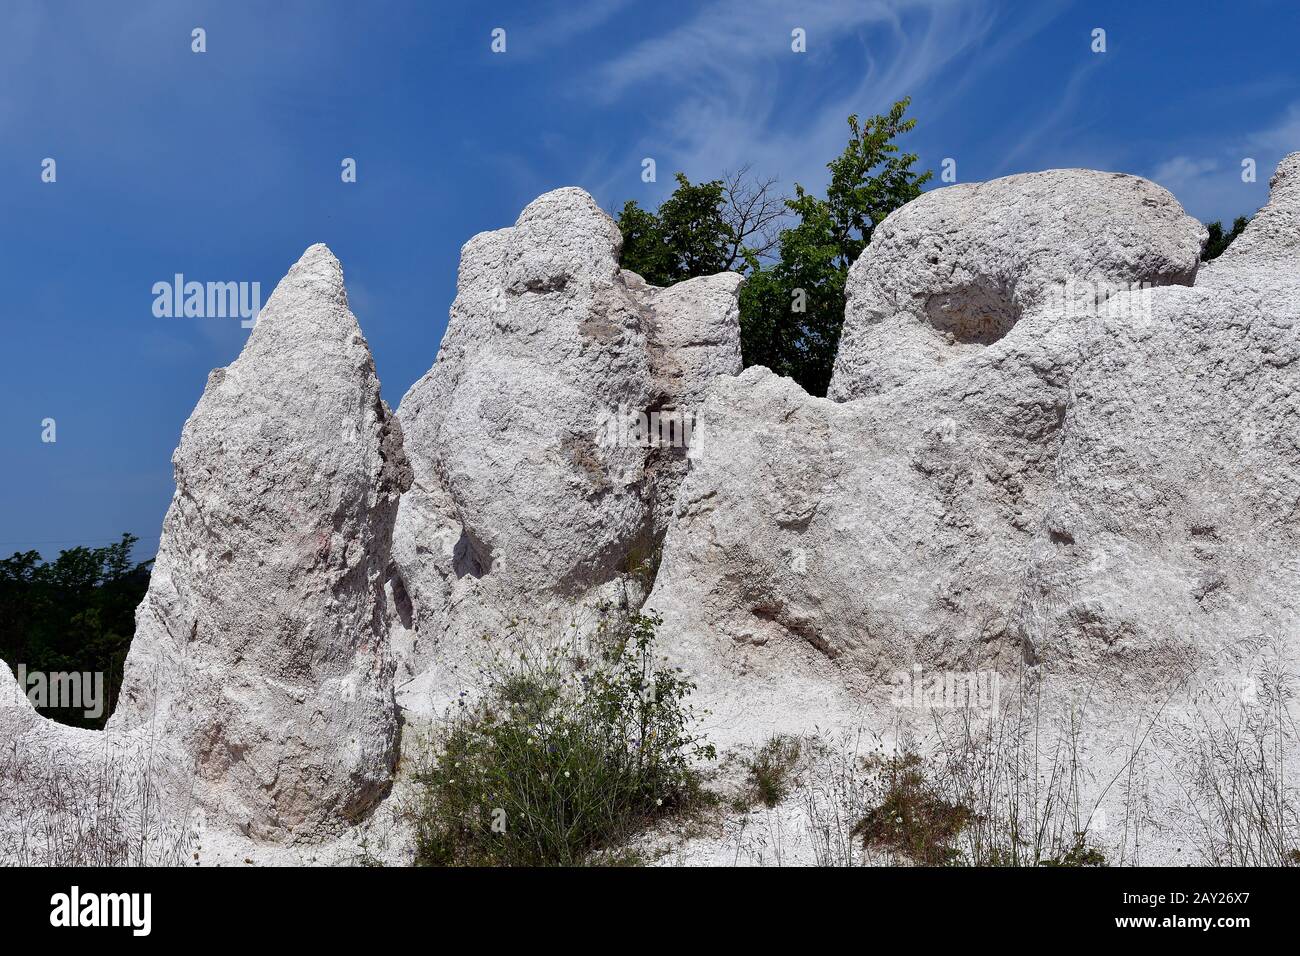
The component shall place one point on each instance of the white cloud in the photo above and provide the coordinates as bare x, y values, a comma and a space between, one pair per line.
1175, 174
727, 89
1210, 187
563, 24
1282, 137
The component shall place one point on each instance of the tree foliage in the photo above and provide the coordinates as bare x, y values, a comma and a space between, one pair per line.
703, 228
75, 614
688, 237
1219, 241
791, 322
792, 304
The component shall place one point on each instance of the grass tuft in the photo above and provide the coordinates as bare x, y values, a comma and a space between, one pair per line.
914, 820
769, 770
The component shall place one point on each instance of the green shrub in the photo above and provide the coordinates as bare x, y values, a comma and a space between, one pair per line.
1080, 854
769, 770
571, 750
914, 819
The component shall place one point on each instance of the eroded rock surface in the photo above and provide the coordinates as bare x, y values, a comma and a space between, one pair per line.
1107, 493
1026, 465
528, 499
957, 269
261, 653
1171, 531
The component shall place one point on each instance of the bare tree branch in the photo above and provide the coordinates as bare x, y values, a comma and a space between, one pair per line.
755, 211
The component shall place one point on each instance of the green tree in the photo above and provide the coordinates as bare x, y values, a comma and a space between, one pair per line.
73, 614
644, 250
791, 318
703, 229
688, 237
792, 303
694, 229
1218, 242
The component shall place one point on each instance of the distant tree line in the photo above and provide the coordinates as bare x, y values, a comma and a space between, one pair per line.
75, 614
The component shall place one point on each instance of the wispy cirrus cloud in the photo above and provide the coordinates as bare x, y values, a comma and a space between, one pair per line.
1052, 124
1176, 173
728, 39
1282, 137
563, 24
725, 89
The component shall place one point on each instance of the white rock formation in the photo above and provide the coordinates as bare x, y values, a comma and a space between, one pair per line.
260, 658
1272, 240
956, 269
528, 501
1170, 533
15, 709
1107, 493
1025, 465
258, 693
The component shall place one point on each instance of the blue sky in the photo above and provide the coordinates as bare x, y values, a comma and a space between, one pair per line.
225, 166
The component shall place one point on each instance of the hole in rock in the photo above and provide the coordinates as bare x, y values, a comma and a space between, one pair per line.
977, 314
